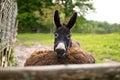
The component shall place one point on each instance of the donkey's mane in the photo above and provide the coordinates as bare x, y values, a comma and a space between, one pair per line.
63, 26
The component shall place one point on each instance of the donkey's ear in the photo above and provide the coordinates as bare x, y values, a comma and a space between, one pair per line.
57, 19
72, 21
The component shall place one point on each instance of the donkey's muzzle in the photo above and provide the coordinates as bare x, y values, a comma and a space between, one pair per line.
60, 52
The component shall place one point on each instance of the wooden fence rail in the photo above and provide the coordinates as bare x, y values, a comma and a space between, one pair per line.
63, 72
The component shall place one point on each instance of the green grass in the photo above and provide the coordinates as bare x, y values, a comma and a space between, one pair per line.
101, 46
29, 38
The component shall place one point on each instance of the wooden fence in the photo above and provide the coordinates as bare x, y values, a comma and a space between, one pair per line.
8, 29
8, 32
63, 72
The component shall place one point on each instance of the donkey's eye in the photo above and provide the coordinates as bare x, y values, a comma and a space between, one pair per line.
56, 35
68, 36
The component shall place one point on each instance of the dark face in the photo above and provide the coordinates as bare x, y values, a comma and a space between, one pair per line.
62, 34
62, 41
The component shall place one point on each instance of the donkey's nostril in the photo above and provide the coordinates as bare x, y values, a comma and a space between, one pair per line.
60, 49
60, 52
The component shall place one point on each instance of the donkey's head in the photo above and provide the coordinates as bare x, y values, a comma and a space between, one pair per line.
62, 34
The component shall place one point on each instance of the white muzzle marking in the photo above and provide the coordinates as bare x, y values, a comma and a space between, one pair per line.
61, 46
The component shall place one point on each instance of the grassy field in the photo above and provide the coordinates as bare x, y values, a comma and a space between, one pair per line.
101, 46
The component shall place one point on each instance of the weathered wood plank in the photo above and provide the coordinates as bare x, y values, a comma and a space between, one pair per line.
63, 72
8, 29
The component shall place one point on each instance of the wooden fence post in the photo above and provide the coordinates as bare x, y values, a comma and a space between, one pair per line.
8, 29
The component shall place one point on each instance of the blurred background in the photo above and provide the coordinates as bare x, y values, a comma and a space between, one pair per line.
97, 28
93, 16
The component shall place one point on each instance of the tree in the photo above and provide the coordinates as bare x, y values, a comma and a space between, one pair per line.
68, 6
30, 14
37, 15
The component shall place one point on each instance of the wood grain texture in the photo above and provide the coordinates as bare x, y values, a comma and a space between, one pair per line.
63, 72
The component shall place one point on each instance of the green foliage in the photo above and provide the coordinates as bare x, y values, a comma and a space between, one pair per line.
31, 15
85, 26
26, 22
37, 15
101, 46
67, 6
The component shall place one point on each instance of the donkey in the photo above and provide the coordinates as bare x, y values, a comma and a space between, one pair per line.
62, 34
66, 51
